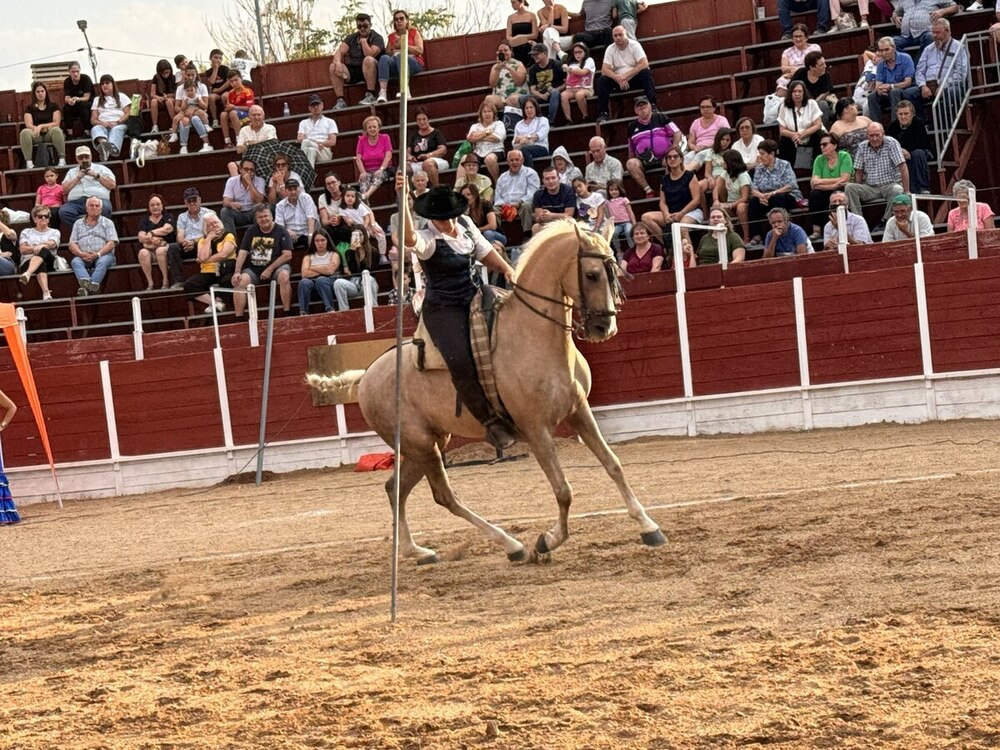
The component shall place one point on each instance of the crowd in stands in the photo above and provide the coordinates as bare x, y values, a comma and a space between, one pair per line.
873, 146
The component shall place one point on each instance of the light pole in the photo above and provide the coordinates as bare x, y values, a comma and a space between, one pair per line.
82, 25
260, 31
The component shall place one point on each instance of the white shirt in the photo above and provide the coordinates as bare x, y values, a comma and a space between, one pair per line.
469, 240
621, 60
90, 185
295, 216
108, 112
193, 227
248, 135
749, 153
32, 236
200, 90
318, 130
800, 118
488, 147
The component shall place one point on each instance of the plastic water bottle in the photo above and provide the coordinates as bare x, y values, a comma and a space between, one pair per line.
286, 111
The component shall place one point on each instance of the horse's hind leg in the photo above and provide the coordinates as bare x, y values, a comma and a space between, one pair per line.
410, 473
443, 495
582, 420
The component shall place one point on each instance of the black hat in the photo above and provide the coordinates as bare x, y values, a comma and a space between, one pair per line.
191, 193
537, 49
440, 203
315, 99
641, 100
291, 182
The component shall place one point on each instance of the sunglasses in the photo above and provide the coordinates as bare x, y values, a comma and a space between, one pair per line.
43, 216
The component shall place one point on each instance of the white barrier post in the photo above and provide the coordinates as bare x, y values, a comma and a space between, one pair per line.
369, 301
137, 328
842, 235
252, 315
971, 234
22, 324
916, 226
680, 298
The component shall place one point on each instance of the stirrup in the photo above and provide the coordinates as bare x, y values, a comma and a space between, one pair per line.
498, 435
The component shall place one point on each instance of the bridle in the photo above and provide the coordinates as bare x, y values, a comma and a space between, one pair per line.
584, 314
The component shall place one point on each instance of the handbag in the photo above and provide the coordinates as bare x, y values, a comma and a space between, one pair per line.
846, 21
464, 148
772, 106
42, 155
804, 157
60, 263
648, 159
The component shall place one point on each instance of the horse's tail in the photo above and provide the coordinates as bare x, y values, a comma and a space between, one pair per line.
345, 385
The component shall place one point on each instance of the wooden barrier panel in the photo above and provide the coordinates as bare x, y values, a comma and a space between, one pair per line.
963, 308
769, 270
862, 326
742, 339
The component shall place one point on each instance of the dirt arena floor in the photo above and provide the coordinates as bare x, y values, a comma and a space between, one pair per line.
837, 589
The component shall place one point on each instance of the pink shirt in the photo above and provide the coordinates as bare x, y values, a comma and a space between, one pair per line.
371, 156
702, 137
958, 223
50, 195
618, 209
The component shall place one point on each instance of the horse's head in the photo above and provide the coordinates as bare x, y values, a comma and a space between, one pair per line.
599, 295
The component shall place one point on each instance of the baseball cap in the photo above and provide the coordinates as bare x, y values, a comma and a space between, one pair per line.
315, 99
902, 200
291, 182
641, 100
82, 151
191, 192
537, 48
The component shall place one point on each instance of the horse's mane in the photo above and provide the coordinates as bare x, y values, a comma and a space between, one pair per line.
563, 228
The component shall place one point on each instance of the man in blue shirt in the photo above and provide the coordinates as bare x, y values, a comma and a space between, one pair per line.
893, 75
784, 238
553, 201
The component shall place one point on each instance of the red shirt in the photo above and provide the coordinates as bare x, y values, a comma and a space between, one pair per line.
242, 99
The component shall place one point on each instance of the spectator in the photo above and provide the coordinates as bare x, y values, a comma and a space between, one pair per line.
427, 148
774, 185
243, 64
644, 256
78, 91
508, 79
255, 131
893, 75
191, 110
216, 78
564, 165
918, 149
597, 23
8, 510
553, 28
388, 64
580, 71
589, 205
680, 195
522, 30
296, 212
913, 18
487, 136
39, 246
831, 172
236, 105
906, 222
317, 133
552, 201
108, 116
181, 62
83, 181
747, 142
855, 226
161, 94
715, 165
732, 190
958, 218
546, 81
817, 82
703, 130
240, 195
319, 267
92, 243
531, 134
372, 156
787, 7
281, 172
216, 253
627, 12
156, 234
394, 255
265, 253
650, 134
484, 216
793, 58
9, 254
708, 246
619, 211
329, 210
880, 172
42, 119
470, 175
944, 53
836, 12
784, 238
625, 68
361, 50
190, 229
357, 215
602, 167
850, 127
50, 194
516, 188
799, 123
356, 261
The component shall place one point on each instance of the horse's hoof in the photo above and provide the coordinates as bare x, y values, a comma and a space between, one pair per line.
519, 556
540, 546
430, 559
653, 538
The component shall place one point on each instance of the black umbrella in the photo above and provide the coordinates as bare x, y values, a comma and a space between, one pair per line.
262, 155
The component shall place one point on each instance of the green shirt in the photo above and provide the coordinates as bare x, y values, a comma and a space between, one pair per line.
708, 248
821, 167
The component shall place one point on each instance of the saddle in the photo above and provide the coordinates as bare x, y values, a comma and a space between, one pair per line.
483, 312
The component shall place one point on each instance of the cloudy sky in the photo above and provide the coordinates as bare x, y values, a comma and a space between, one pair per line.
139, 34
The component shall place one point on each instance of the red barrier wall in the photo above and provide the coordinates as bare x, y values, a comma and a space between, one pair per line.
963, 307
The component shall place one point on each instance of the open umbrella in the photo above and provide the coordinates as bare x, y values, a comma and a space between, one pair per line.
262, 154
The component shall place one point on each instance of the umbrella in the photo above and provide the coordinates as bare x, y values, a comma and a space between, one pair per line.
262, 155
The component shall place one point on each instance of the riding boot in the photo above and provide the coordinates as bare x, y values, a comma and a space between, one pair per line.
498, 434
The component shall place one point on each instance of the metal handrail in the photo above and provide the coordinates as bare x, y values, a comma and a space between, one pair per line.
951, 98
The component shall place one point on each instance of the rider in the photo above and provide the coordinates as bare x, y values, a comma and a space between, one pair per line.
448, 248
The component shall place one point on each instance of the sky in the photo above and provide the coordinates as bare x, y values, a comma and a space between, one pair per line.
141, 36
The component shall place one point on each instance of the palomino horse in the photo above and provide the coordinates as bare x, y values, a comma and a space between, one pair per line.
540, 375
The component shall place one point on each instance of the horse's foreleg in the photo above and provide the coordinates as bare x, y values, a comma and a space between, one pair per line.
582, 420
437, 477
410, 473
545, 453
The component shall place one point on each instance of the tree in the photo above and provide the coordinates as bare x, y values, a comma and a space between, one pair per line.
289, 30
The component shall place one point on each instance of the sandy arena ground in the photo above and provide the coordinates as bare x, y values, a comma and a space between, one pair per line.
836, 589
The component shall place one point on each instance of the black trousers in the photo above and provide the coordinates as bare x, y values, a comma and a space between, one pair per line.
448, 326
175, 260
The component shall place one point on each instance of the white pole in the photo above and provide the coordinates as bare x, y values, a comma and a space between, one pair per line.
916, 226
252, 315
971, 233
267, 381
842, 235
137, 328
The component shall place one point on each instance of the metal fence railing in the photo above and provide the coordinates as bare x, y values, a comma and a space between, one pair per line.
951, 96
